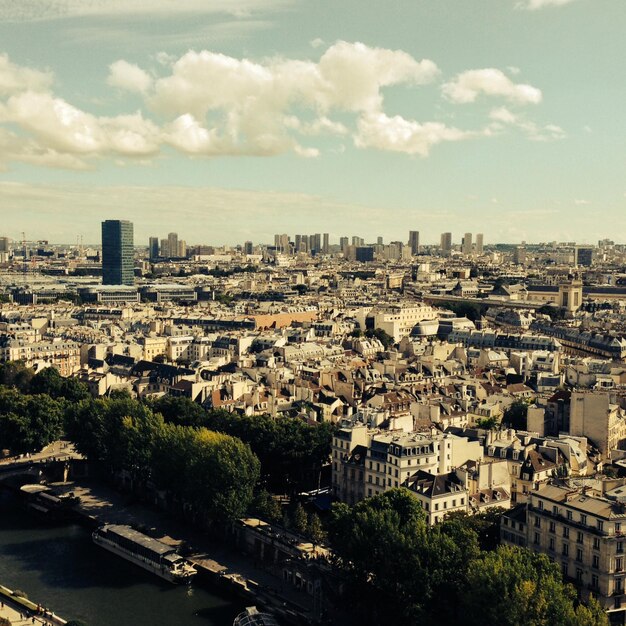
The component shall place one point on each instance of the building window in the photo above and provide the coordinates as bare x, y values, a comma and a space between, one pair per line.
579, 555
537, 522
552, 527
564, 568
551, 543
600, 525
619, 585
596, 543
565, 532
619, 547
583, 519
540, 504
579, 537
619, 564
595, 561
618, 527
579, 575
565, 550
555, 510
536, 540
594, 581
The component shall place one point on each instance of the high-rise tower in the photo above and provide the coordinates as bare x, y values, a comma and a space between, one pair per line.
117, 253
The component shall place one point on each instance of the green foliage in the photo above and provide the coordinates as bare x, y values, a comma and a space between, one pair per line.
511, 586
212, 472
50, 382
299, 519
397, 569
384, 338
266, 507
488, 423
16, 374
28, 423
515, 415
314, 529
466, 309
290, 450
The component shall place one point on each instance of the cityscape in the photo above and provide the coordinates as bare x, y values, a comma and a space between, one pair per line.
312, 313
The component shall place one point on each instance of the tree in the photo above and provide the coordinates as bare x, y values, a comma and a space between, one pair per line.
266, 507
299, 519
515, 415
16, 374
314, 529
512, 586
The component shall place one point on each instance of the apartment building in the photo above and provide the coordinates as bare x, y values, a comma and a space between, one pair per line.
582, 529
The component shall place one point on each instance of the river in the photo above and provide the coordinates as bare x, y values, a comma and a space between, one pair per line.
60, 567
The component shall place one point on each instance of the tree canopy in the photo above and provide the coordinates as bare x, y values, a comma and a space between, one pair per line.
397, 569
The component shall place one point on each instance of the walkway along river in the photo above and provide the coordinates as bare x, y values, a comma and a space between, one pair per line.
60, 567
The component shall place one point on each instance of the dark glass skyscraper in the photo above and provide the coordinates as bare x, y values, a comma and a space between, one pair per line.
117, 253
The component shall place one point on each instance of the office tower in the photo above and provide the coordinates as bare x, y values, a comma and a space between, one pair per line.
172, 244
182, 249
248, 247
117, 253
277, 242
364, 254
466, 245
165, 249
283, 243
414, 242
316, 243
153, 248
4, 244
479, 243
519, 255
446, 242
343, 243
298, 243
325, 244
379, 241
584, 256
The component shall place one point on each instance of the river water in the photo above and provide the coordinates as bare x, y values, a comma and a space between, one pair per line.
60, 567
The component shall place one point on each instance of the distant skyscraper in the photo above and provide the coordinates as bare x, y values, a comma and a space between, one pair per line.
153, 248
414, 242
165, 248
584, 256
248, 247
466, 245
446, 242
325, 244
283, 241
182, 249
479, 243
343, 243
4, 244
379, 241
172, 244
316, 243
117, 253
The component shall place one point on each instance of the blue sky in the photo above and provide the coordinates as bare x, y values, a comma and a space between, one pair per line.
228, 121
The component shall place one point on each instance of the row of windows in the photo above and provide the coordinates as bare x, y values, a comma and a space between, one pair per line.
582, 518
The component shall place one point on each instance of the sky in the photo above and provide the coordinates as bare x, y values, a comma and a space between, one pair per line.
232, 120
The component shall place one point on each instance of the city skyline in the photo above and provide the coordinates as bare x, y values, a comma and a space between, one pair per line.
502, 116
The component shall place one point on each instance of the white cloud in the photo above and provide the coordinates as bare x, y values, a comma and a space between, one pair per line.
129, 77
211, 104
534, 5
580, 202
502, 117
37, 10
15, 78
397, 134
467, 86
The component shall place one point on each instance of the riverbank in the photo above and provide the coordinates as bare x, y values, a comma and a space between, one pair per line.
20, 610
218, 564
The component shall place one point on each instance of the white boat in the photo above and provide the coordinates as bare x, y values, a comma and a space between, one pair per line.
253, 617
149, 553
